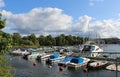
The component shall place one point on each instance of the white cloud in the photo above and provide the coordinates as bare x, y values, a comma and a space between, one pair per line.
93, 2
104, 29
39, 20
2, 4
82, 24
119, 14
53, 21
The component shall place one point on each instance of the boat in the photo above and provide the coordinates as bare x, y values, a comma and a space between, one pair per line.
96, 65
43, 57
32, 54
112, 67
19, 52
91, 50
56, 57
78, 62
65, 61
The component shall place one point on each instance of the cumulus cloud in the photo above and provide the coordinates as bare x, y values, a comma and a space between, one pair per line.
106, 28
53, 21
2, 4
39, 20
85, 26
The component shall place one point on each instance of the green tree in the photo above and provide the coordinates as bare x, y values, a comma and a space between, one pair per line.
41, 40
33, 39
2, 22
5, 45
16, 39
50, 40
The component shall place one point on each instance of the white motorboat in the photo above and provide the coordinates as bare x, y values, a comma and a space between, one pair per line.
32, 54
78, 62
92, 50
65, 61
19, 52
56, 57
96, 64
112, 67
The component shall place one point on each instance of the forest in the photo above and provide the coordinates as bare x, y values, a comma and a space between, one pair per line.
61, 40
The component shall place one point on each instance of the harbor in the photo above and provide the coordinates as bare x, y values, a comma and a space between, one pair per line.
35, 68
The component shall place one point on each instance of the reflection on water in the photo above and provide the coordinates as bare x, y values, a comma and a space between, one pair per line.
25, 68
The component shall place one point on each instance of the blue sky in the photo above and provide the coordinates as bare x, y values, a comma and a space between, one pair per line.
54, 17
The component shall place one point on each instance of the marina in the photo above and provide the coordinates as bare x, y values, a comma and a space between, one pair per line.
36, 68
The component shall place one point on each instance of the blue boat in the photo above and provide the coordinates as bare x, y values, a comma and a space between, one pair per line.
56, 57
78, 62
65, 61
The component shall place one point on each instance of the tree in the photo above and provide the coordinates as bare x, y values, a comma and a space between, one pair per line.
2, 22
16, 39
5, 45
33, 39
41, 40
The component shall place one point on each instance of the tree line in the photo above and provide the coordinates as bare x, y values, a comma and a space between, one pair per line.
32, 40
61, 40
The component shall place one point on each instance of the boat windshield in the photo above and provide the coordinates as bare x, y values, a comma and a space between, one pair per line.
88, 48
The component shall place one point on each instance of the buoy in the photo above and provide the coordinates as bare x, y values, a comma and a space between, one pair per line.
61, 68
85, 69
34, 64
50, 66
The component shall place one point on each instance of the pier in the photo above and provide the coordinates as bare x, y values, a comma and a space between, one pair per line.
104, 56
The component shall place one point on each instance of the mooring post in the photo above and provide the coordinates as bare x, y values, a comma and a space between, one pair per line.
116, 68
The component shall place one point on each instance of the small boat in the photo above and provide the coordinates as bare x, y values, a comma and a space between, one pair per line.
19, 52
43, 56
56, 57
78, 62
97, 64
65, 61
32, 54
112, 67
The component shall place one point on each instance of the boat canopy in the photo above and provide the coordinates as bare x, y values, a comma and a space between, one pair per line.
77, 60
67, 58
88, 48
55, 55
33, 51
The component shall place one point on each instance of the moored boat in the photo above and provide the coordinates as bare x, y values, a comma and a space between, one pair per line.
56, 57
65, 61
112, 67
32, 54
96, 65
78, 62
43, 56
20, 52
91, 50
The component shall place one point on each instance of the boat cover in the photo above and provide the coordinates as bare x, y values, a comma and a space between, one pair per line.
77, 60
66, 59
55, 55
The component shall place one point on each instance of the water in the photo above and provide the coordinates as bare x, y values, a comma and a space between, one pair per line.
25, 68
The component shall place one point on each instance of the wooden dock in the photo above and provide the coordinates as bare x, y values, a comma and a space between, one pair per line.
105, 59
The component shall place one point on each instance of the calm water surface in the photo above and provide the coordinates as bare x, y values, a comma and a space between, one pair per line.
25, 68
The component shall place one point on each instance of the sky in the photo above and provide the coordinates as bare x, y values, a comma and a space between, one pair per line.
93, 18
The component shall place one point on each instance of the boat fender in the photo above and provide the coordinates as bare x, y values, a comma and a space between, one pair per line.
61, 68
50, 66
34, 64
85, 70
